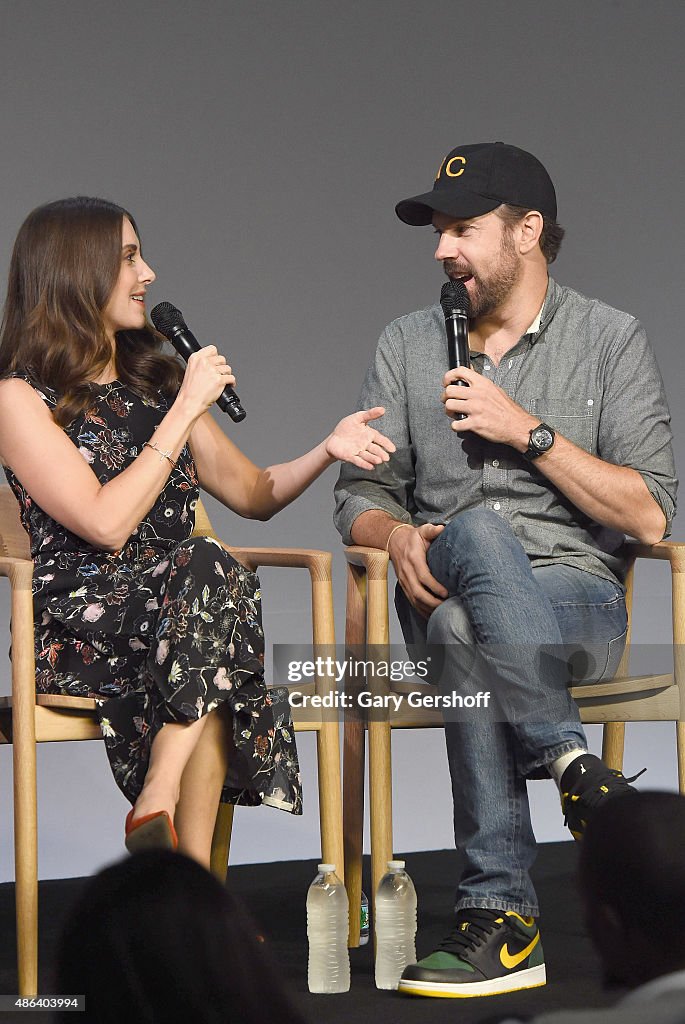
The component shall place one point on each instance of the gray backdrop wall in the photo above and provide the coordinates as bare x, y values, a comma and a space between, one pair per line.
262, 147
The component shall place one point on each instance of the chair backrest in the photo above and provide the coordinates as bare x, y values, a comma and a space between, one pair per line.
203, 527
14, 540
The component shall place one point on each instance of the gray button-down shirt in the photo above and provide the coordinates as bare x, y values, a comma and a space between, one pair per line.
588, 371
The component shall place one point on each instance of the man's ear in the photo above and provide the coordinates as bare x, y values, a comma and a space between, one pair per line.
530, 229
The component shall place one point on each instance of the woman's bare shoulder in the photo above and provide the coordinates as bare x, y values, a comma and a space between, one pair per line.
21, 408
17, 392
19, 384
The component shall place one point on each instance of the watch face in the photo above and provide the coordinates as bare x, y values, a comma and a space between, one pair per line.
543, 438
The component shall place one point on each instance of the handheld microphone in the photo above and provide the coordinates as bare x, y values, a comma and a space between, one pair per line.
454, 299
169, 321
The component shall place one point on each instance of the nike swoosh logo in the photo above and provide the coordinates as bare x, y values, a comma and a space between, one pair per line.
510, 961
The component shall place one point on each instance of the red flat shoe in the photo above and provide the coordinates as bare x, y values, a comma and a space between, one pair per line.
151, 832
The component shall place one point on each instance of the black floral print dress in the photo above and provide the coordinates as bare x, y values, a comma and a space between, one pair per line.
163, 630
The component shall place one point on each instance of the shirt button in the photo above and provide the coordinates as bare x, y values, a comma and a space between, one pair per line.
590, 402
495, 463
497, 506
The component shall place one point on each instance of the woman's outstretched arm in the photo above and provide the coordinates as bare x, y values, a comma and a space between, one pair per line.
234, 480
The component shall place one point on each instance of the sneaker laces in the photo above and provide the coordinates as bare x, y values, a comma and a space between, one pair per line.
479, 921
592, 794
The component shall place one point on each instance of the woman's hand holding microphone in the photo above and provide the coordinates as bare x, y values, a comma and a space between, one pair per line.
207, 374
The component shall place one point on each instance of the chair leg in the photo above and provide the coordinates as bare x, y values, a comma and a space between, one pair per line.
380, 759
613, 741
26, 861
353, 818
354, 752
328, 734
330, 797
221, 841
680, 746
380, 802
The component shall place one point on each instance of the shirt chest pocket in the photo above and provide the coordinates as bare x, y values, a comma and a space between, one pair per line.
575, 419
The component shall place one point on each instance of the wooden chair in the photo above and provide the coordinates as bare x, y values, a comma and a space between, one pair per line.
27, 718
652, 698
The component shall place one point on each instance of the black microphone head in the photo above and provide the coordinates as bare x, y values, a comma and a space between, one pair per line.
454, 298
165, 317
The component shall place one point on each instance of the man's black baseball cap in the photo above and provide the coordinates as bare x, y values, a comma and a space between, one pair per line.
473, 180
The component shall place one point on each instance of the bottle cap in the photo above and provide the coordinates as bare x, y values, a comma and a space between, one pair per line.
396, 865
325, 868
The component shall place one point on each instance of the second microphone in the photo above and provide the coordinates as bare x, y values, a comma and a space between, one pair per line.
455, 302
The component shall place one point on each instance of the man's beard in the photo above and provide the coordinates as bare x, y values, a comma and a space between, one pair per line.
490, 292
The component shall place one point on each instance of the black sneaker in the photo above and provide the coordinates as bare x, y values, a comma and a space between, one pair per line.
486, 953
586, 783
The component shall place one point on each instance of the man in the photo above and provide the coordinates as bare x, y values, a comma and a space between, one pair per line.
562, 448
632, 883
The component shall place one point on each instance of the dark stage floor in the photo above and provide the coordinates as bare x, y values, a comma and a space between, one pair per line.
275, 895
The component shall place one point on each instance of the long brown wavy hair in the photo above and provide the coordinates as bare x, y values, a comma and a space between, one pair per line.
65, 264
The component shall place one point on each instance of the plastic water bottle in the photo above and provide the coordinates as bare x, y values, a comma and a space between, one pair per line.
327, 929
395, 925
364, 920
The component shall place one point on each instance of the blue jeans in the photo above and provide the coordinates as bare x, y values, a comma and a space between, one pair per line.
525, 633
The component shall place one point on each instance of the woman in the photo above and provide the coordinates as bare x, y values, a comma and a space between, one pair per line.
105, 441
155, 938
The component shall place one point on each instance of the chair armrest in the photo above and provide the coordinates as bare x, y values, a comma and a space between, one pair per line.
19, 571
666, 550
674, 553
373, 560
367, 600
319, 563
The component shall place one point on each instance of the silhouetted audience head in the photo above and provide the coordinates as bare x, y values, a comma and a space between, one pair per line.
632, 876
156, 938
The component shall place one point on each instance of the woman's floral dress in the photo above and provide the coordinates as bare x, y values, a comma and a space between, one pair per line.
166, 629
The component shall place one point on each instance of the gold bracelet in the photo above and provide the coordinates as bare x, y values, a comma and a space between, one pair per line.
163, 455
394, 530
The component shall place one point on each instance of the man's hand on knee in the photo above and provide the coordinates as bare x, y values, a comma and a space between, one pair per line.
407, 550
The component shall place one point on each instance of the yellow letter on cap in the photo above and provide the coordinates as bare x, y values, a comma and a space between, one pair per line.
455, 159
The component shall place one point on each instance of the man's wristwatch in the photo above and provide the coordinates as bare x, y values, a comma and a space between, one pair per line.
540, 440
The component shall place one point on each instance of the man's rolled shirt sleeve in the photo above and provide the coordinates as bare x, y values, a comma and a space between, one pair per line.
634, 427
390, 486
